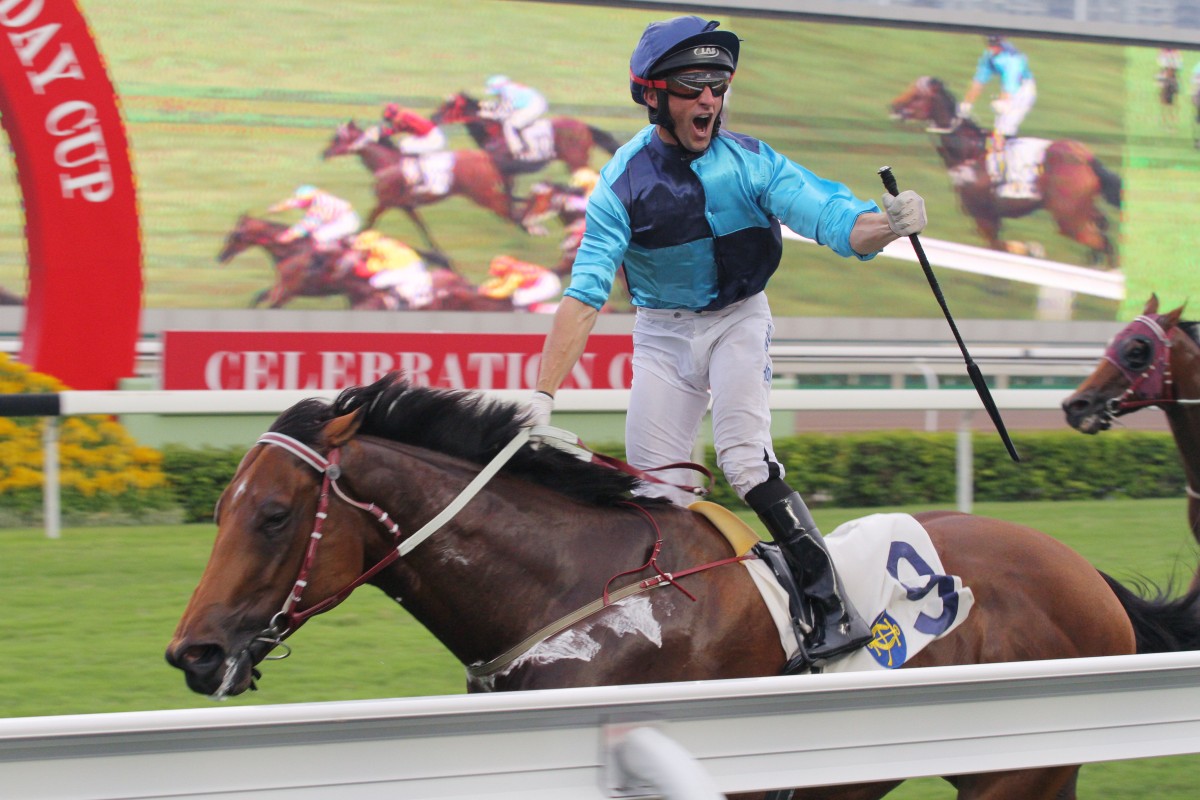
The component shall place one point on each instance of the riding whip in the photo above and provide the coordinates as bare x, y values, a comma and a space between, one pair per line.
889, 183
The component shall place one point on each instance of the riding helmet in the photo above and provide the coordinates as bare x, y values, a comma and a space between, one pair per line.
687, 41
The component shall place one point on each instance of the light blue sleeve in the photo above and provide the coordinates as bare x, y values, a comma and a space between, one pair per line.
819, 209
605, 239
984, 69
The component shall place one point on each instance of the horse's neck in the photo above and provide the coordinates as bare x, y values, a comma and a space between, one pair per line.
512, 559
378, 156
481, 132
1184, 418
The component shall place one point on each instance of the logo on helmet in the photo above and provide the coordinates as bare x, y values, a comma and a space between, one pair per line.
705, 52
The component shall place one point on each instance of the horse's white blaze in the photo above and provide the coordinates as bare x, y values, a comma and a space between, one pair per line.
241, 490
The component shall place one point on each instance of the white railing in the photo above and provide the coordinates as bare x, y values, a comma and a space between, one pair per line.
738, 735
567, 400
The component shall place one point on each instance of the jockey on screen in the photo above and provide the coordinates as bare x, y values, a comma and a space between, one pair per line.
419, 134
327, 218
1018, 92
529, 285
388, 264
516, 107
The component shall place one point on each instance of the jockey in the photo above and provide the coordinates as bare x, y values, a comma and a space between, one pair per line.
529, 285
1018, 92
516, 107
327, 218
421, 134
388, 264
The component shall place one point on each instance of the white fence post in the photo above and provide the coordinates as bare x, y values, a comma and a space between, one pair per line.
964, 464
51, 505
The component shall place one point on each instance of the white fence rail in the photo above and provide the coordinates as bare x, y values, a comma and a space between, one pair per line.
567, 400
744, 735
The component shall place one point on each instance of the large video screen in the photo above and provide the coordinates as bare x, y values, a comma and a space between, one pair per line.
231, 106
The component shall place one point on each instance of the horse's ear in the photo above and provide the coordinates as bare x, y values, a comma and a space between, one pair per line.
340, 430
1151, 304
1172, 317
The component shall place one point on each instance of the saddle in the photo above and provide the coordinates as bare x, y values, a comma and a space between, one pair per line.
744, 540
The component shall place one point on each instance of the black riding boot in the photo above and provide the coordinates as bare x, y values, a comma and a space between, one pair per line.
837, 627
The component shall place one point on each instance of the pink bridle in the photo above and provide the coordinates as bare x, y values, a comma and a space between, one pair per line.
1152, 384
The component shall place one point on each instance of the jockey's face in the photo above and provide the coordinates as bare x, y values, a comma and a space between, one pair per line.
694, 118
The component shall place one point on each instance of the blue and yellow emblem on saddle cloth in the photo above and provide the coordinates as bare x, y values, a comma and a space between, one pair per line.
894, 577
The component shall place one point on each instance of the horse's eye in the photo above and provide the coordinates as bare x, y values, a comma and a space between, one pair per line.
1136, 354
274, 520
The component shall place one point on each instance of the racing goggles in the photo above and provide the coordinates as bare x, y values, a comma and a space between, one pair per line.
690, 85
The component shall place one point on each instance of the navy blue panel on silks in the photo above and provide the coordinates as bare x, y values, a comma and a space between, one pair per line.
706, 246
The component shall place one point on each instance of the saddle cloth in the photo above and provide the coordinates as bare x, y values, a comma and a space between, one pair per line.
1016, 172
894, 577
430, 174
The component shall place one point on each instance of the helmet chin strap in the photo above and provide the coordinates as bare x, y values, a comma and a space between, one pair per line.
661, 116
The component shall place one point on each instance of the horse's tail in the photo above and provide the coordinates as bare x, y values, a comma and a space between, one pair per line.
1110, 182
604, 139
1161, 625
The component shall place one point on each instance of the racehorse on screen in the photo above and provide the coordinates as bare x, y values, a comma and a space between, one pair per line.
514, 580
1070, 178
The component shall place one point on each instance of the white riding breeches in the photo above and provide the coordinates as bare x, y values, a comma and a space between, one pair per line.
431, 142
340, 228
519, 119
1008, 122
681, 360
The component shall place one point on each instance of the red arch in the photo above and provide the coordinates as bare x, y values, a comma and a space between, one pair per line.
60, 112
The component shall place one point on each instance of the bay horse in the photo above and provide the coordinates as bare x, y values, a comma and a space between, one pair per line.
544, 570
1070, 177
300, 269
573, 139
398, 177
1152, 361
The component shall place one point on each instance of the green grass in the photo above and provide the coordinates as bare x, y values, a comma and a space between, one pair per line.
229, 105
87, 618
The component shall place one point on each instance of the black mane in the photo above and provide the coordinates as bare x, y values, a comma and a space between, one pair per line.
466, 425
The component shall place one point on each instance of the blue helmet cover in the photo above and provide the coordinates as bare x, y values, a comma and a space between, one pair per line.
664, 38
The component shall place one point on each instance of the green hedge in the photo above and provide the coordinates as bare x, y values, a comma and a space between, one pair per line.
865, 470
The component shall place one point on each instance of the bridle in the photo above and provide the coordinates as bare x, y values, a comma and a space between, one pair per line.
1150, 383
289, 617
285, 621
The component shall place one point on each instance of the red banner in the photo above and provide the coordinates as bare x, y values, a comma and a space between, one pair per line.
72, 159
255, 360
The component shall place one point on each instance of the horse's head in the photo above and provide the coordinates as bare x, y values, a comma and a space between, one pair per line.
251, 594
926, 100
347, 138
457, 109
1135, 371
248, 232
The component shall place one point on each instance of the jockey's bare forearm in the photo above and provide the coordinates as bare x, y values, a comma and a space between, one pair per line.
871, 233
564, 345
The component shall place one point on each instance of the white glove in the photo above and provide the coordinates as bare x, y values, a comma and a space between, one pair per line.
538, 410
905, 212
964, 109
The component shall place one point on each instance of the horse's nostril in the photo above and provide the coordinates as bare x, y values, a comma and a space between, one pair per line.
196, 657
